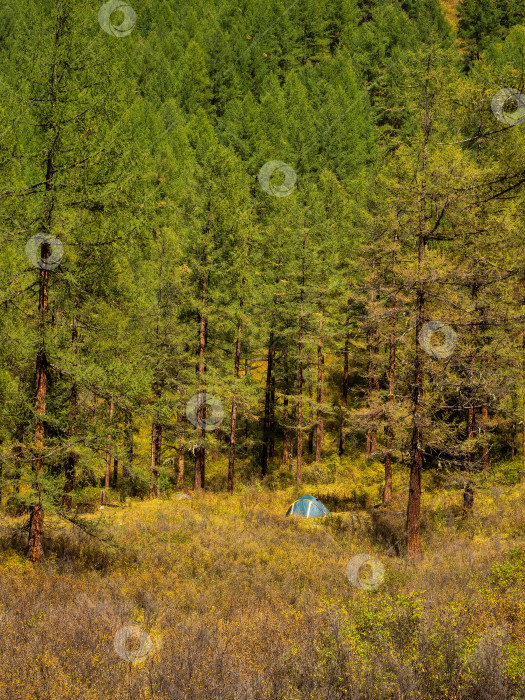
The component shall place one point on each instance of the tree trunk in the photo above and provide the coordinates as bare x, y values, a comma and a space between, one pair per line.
36, 512
416, 451
373, 382
180, 455
387, 492
36, 518
286, 391
299, 473
36, 532
468, 499
271, 441
484, 423
233, 425
286, 437
231, 457
126, 472
216, 445
156, 447
17, 449
522, 471
470, 420
471, 414
267, 401
414, 545
310, 419
180, 465
389, 431
200, 452
344, 398
368, 449
72, 457
108, 449
484, 408
320, 392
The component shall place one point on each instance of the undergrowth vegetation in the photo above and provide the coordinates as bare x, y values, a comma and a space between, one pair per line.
241, 602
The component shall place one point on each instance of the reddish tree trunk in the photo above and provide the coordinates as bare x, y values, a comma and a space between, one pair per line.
471, 416
389, 431
522, 471
387, 492
320, 393
299, 472
180, 456
286, 437
36, 519
233, 425
344, 398
271, 440
108, 449
414, 545
310, 419
200, 452
484, 422
72, 458
416, 451
267, 401
156, 449
231, 456
373, 381
216, 445
129, 445
36, 532
36, 512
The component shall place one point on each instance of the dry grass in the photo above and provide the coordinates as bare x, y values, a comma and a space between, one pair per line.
240, 602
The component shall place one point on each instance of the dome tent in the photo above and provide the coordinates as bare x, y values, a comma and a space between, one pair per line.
308, 507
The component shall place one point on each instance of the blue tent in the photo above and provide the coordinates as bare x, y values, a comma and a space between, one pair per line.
308, 507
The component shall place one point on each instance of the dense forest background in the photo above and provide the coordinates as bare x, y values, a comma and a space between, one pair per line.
225, 230
251, 250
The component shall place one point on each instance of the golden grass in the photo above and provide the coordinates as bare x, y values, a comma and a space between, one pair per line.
241, 602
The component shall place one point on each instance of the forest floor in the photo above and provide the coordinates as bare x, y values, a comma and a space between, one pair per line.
227, 598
